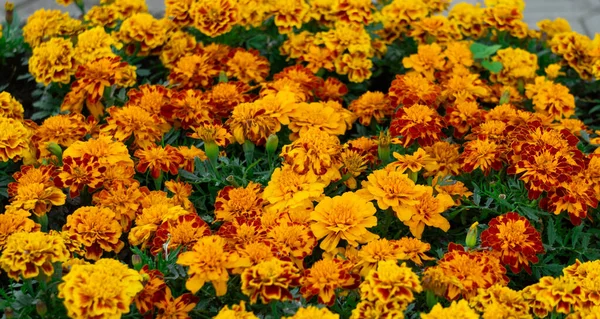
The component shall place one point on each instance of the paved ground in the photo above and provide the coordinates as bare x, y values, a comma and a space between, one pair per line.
583, 15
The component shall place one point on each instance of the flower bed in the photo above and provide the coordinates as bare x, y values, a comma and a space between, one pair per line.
298, 159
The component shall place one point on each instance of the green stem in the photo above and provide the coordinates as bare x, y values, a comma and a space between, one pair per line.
43, 221
158, 182
248, 147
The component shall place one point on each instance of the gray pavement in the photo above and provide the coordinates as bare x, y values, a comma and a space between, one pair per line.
583, 15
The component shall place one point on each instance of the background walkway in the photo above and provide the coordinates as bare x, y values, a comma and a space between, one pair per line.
583, 15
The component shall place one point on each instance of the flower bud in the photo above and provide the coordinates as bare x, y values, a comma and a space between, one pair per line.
504, 98
9, 8
9, 313
211, 149
136, 261
56, 150
41, 308
272, 143
472, 235
383, 149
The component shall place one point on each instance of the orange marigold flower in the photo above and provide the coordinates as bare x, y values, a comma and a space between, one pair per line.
104, 16
288, 189
390, 283
254, 12
354, 11
178, 45
292, 240
224, 96
418, 123
251, 121
129, 121
458, 309
413, 88
13, 222
232, 202
121, 198
344, 217
426, 212
93, 44
332, 89
318, 58
586, 274
517, 65
156, 209
182, 232
188, 108
53, 61
503, 17
212, 133
413, 249
461, 88
356, 65
499, 299
516, 239
241, 232
14, 139
443, 159
462, 272
27, 253
79, 172
194, 70
376, 251
118, 284
290, 14
314, 151
10, 107
313, 312
551, 99
482, 154
315, 115
352, 165
62, 129
391, 189
575, 196
158, 159
462, 116
371, 104
324, 277
208, 261
189, 155
399, 15
169, 307
235, 312
151, 98
154, 283
214, 18
37, 198
179, 11
426, 61
270, 280
142, 34
413, 163
247, 65
374, 309
97, 229
549, 294
438, 27
91, 80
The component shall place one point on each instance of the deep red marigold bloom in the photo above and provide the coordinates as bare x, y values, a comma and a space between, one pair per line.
482, 154
517, 241
418, 123
575, 197
157, 159
78, 172
154, 283
181, 232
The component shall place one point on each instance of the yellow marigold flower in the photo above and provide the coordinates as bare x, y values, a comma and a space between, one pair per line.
413, 88
156, 209
297, 44
103, 150
233, 202
587, 274
519, 4
375, 309
214, 18
413, 163
437, 6
130, 121
469, 19
253, 12
458, 309
344, 217
462, 272
354, 11
443, 159
426, 61
37, 198
435, 28
93, 44
270, 280
552, 28
498, 298
483, 154
224, 96
102, 16
10, 107
550, 98
324, 277
391, 189
371, 105
62, 129
352, 165
53, 61
315, 151
311, 312
121, 198
553, 71
212, 133
414, 249
318, 116
178, 45
81, 286
92, 78
562, 295
376, 251
288, 189
14, 139
281, 105
142, 34
46, 24
574, 48
426, 212
247, 65
349, 37
127, 8
179, 11
400, 14
251, 121
290, 14
27, 253
517, 64
318, 58
356, 65
96, 229
235, 312
14, 221
194, 70
292, 239
184, 232
503, 17
208, 261
390, 283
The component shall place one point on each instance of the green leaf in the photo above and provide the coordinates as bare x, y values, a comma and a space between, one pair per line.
143, 72
482, 51
492, 66
551, 232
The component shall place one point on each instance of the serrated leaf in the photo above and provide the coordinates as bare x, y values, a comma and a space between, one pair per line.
575, 234
482, 51
143, 72
492, 66
551, 231
189, 176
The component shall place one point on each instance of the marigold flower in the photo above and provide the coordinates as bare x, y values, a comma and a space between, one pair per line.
47, 24
182, 232
118, 284
293, 240
288, 189
426, 61
414, 249
254, 12
10, 107
332, 89
313, 312
461, 88
169, 307
324, 277
413, 88
464, 115
344, 217
418, 123
235, 312
270, 280
208, 261
574, 48
154, 284
251, 121
399, 14
242, 231
315, 115
390, 283
551, 99
247, 65
80, 172
214, 18
142, 34
14, 139
354, 11
315, 151
390, 189
37, 198
158, 159
53, 61
93, 44
232, 202
318, 58
458, 309
517, 65
499, 298
103, 16
371, 104
123, 199
223, 97
438, 28
482, 154
62, 129
194, 70
462, 272
352, 165
290, 14
562, 295
356, 65
575, 197
14, 221
426, 212
376, 251
587, 275
469, 19
156, 209
443, 159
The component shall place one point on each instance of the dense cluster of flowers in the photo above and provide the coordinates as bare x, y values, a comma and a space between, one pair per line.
230, 177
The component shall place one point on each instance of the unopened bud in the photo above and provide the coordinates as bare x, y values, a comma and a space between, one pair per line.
9, 8
56, 150
472, 235
383, 149
505, 98
412, 175
136, 261
41, 308
272, 143
211, 149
